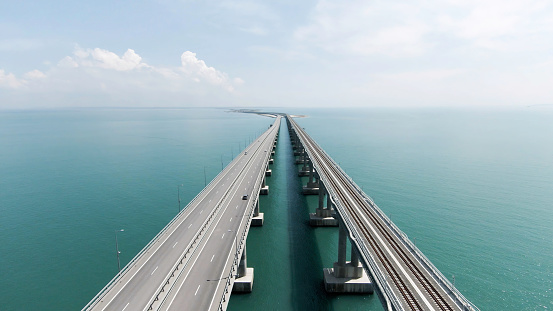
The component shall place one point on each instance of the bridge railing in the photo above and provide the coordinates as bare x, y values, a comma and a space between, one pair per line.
146, 248
460, 299
438, 275
244, 235
388, 295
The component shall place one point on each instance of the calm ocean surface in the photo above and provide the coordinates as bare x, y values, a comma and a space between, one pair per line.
473, 188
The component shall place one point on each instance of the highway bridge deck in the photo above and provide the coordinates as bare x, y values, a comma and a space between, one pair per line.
191, 264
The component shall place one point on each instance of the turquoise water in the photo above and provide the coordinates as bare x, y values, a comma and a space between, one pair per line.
474, 188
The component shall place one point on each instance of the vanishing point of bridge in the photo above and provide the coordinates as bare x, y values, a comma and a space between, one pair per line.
199, 258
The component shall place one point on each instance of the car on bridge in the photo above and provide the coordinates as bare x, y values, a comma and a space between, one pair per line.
245, 197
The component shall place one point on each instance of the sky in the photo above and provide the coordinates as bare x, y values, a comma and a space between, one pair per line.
283, 53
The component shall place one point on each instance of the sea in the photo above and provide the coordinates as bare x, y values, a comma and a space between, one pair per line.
471, 187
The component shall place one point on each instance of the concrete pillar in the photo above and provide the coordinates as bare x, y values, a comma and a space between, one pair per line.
354, 256
243, 264
346, 276
256, 209
264, 188
322, 193
323, 216
243, 282
342, 240
257, 219
312, 186
310, 173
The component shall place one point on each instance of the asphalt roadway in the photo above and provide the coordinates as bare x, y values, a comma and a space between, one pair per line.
186, 266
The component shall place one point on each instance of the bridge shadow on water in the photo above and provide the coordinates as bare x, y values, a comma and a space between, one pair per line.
284, 252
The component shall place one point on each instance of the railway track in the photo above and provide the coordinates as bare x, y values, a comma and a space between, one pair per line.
360, 211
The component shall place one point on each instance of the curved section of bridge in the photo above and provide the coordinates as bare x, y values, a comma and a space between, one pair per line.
407, 280
195, 260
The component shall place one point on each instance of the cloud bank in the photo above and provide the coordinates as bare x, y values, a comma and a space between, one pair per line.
123, 79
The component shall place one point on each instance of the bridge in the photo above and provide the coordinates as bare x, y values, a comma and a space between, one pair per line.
406, 279
199, 258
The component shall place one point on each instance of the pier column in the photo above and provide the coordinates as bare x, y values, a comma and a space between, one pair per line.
302, 159
322, 193
354, 256
244, 276
346, 276
264, 188
342, 240
312, 186
323, 216
243, 264
257, 219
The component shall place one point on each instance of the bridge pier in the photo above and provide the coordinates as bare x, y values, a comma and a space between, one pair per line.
312, 186
244, 276
268, 171
264, 188
302, 156
347, 276
323, 216
257, 219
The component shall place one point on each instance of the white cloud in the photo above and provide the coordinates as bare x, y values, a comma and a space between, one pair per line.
35, 74
99, 71
10, 81
357, 27
500, 25
101, 58
197, 68
364, 28
68, 62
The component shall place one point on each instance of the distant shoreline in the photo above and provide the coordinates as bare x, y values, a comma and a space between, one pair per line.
265, 113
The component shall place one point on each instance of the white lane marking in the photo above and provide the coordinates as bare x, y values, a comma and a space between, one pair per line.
209, 201
189, 226
236, 206
230, 219
217, 192
201, 211
125, 306
154, 270
197, 290
212, 258
175, 244
223, 236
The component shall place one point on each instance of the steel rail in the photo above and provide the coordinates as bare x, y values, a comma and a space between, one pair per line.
326, 166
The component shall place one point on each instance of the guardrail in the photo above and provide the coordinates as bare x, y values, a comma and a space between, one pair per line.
459, 299
388, 295
146, 248
238, 254
154, 240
